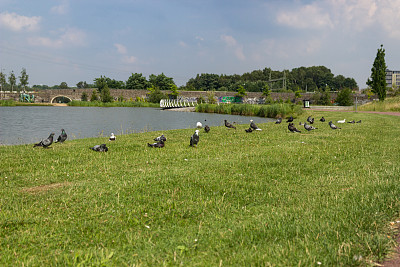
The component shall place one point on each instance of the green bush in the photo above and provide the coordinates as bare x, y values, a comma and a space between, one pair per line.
345, 97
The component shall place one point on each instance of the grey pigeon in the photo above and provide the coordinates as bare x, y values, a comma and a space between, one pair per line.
62, 137
292, 128
358, 121
206, 128
227, 124
159, 144
100, 148
333, 126
278, 121
254, 126
46, 142
290, 119
194, 139
353, 121
160, 138
309, 127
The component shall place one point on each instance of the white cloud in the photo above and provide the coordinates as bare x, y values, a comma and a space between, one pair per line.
129, 59
232, 43
61, 9
308, 16
121, 49
15, 22
67, 37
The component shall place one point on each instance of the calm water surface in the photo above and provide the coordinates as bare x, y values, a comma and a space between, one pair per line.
25, 125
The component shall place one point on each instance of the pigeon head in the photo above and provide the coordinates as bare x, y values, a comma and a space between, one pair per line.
251, 120
196, 132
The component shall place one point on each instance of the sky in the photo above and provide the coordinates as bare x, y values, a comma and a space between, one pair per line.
80, 40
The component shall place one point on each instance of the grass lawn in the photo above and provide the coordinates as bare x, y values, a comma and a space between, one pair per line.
269, 198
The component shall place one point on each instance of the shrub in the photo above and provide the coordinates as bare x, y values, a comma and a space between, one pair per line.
344, 97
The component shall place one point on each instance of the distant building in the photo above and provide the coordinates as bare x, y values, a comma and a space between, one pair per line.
393, 78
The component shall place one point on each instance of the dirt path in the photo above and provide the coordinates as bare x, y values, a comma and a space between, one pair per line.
375, 112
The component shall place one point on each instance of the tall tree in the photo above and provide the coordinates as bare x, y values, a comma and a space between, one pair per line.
23, 79
12, 80
2, 81
105, 95
137, 82
161, 81
378, 75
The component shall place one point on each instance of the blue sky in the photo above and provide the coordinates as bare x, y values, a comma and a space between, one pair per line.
79, 40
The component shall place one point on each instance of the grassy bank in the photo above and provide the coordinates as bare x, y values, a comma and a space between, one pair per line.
268, 111
389, 104
238, 199
113, 104
12, 103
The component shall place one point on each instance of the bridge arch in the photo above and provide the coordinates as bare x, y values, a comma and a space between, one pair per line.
61, 99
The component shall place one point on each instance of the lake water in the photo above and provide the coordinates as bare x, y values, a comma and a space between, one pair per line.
26, 125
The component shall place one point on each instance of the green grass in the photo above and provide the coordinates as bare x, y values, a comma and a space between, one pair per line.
389, 104
269, 111
269, 198
12, 103
113, 104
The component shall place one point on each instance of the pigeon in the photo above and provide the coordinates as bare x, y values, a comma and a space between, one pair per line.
358, 121
301, 123
309, 127
112, 137
100, 148
292, 128
254, 126
342, 121
206, 128
290, 119
278, 121
194, 139
159, 144
160, 138
333, 126
62, 137
46, 142
353, 121
309, 119
248, 130
199, 125
322, 119
227, 124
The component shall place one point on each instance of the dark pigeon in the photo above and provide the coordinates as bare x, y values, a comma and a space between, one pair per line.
322, 119
353, 121
278, 121
309, 119
358, 121
248, 130
254, 126
292, 128
206, 128
100, 148
227, 124
194, 139
301, 123
159, 144
333, 126
309, 127
290, 119
160, 138
62, 137
46, 142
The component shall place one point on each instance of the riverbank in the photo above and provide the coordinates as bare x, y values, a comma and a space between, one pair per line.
270, 197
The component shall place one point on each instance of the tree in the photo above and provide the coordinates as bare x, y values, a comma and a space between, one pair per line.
12, 80
137, 82
241, 92
2, 81
100, 83
94, 96
23, 79
82, 85
161, 81
155, 94
105, 95
84, 96
378, 75
63, 85
174, 91
266, 91
344, 97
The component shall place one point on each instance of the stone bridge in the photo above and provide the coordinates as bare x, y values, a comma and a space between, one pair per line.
67, 95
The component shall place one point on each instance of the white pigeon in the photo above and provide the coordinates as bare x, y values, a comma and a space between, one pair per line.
112, 137
342, 121
199, 125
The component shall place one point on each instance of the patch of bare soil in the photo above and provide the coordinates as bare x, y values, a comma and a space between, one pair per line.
44, 188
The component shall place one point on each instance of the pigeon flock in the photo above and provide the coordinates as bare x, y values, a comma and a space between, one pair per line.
195, 138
